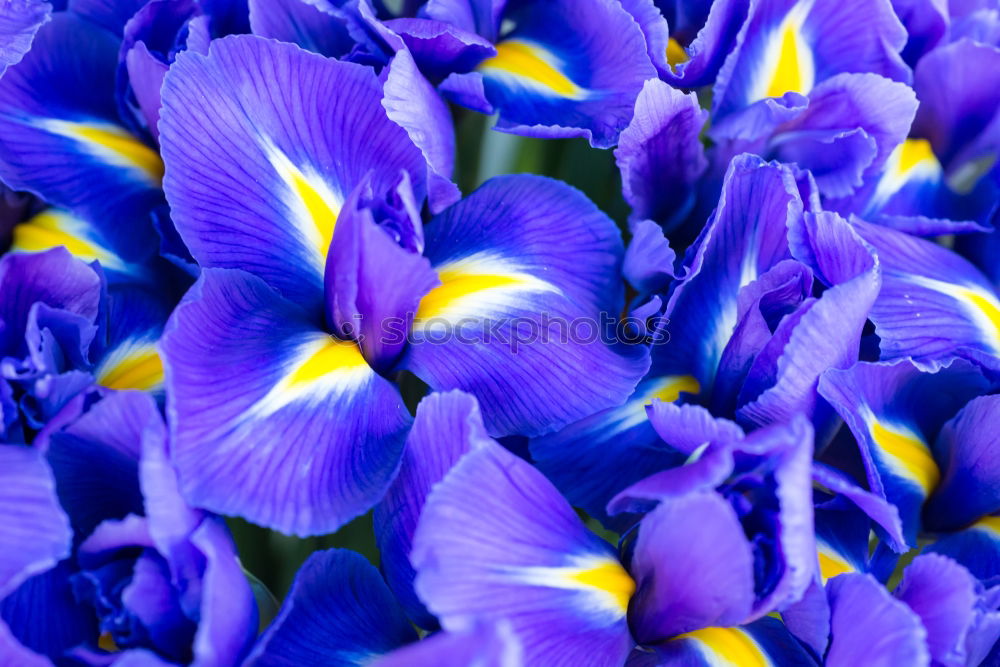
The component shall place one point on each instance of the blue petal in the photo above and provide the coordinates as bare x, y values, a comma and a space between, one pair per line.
527, 266
317, 25
271, 418
933, 303
791, 45
951, 606
18, 25
60, 137
894, 411
445, 428
828, 330
967, 449
869, 626
95, 460
496, 540
36, 533
660, 153
255, 187
483, 645
579, 81
338, 612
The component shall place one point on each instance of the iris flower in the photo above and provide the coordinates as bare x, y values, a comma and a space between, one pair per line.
276, 360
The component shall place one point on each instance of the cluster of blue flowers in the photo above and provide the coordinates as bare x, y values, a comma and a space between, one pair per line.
239, 280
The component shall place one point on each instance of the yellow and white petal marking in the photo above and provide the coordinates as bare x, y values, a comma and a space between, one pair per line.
322, 367
904, 452
727, 647
314, 204
912, 160
980, 305
110, 144
788, 64
480, 286
831, 563
633, 412
608, 586
52, 228
989, 524
534, 65
131, 365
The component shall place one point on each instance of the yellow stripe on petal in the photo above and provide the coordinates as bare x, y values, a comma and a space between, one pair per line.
477, 286
456, 287
980, 305
324, 367
727, 646
330, 356
831, 563
906, 454
315, 204
675, 53
533, 64
612, 579
110, 144
52, 228
987, 311
990, 524
912, 160
788, 59
607, 585
633, 412
132, 367
669, 388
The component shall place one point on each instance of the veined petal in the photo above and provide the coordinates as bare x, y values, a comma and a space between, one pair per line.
593, 459
851, 126
373, 284
693, 565
446, 427
36, 533
61, 138
951, 607
315, 25
339, 612
660, 153
698, 64
924, 283
256, 391
868, 625
894, 411
26, 279
828, 330
747, 236
95, 460
18, 25
496, 540
527, 265
256, 187
412, 103
963, 130
791, 45
580, 81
